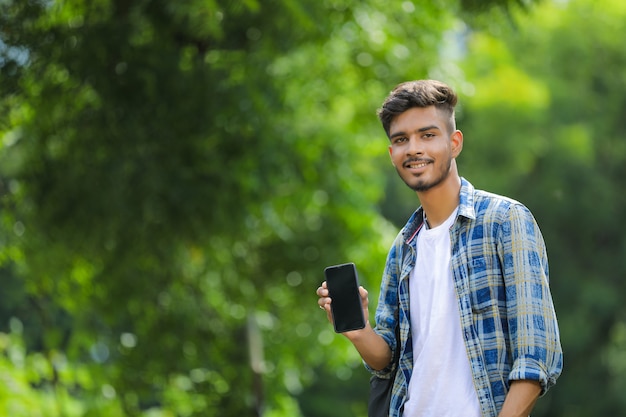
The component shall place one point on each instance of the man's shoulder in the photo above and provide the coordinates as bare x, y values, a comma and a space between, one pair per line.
498, 209
482, 197
476, 202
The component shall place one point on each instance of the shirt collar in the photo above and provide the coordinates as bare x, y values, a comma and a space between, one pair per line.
466, 200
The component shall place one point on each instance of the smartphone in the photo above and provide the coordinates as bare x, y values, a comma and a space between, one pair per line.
343, 288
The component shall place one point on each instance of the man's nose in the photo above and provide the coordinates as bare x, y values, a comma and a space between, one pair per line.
415, 146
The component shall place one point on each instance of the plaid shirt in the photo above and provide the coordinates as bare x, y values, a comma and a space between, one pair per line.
500, 270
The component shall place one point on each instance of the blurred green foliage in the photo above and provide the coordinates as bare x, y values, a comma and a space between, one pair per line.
174, 176
551, 94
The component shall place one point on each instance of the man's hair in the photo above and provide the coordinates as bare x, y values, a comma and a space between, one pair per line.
421, 93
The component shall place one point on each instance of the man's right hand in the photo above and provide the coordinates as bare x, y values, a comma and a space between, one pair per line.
324, 301
373, 349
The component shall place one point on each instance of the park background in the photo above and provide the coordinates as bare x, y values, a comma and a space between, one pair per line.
175, 175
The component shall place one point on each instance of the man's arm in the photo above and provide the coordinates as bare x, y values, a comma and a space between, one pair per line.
371, 346
533, 329
521, 398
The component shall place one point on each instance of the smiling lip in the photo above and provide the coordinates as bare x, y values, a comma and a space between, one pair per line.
419, 164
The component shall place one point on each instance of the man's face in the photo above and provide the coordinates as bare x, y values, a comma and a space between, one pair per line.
422, 147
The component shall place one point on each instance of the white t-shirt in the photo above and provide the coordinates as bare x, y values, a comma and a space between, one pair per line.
441, 384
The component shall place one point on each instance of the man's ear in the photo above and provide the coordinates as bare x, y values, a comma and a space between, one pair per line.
456, 140
391, 154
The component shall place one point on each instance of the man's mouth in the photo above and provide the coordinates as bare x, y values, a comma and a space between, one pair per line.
416, 164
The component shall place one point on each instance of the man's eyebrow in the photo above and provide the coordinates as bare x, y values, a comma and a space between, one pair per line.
425, 128
421, 129
397, 134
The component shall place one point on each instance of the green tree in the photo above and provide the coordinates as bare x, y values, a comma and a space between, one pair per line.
544, 124
175, 176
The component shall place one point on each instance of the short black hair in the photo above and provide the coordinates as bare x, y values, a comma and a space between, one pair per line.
420, 93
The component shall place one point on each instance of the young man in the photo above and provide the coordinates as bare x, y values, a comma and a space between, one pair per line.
466, 280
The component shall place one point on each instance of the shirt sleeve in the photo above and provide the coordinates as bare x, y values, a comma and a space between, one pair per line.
533, 328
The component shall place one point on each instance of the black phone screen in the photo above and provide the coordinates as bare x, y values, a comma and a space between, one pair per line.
343, 288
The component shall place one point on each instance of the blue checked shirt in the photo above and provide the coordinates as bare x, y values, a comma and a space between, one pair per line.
500, 270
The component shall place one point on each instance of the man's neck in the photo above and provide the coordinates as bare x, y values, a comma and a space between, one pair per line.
439, 202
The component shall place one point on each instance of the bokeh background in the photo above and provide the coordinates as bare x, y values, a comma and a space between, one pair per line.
175, 175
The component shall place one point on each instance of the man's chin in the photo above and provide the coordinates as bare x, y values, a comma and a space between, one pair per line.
422, 186
418, 186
